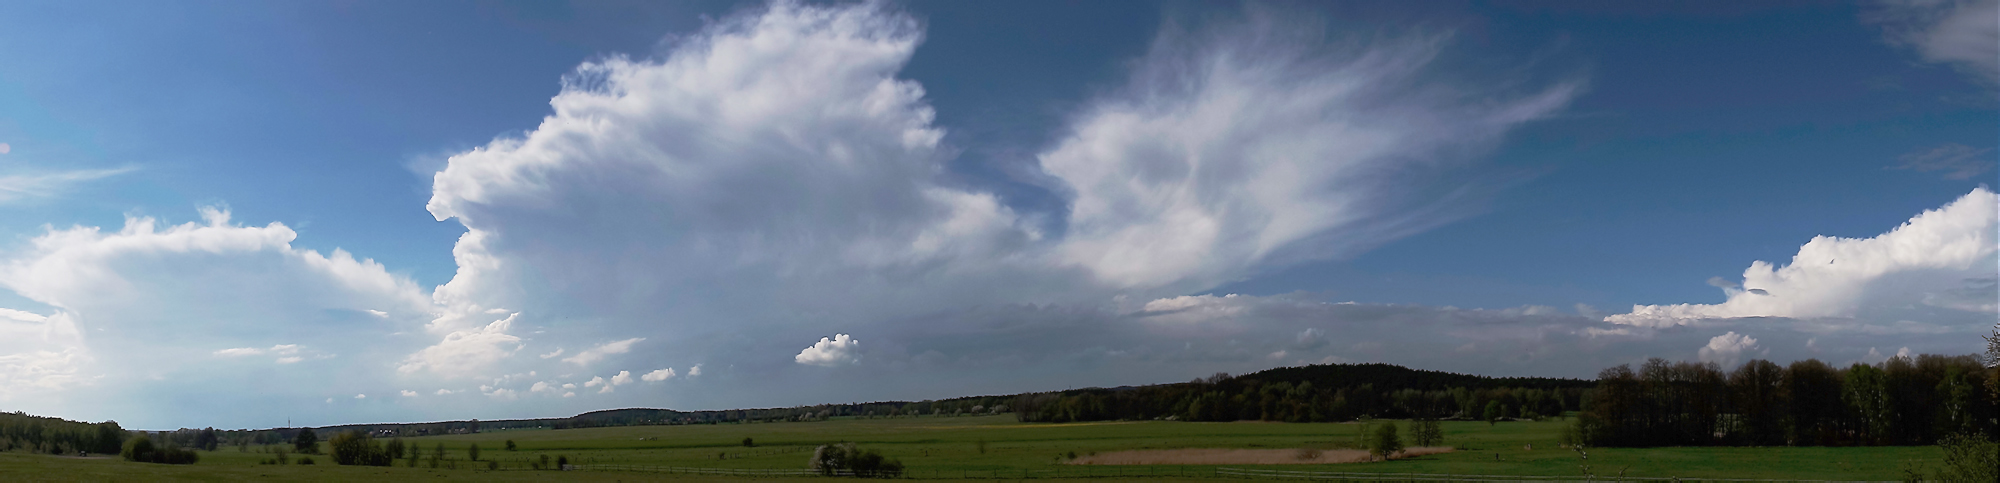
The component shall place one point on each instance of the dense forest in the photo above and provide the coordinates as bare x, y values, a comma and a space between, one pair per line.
1326, 392
1901, 401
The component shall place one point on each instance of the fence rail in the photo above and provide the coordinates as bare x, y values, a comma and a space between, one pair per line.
1093, 471
1413, 477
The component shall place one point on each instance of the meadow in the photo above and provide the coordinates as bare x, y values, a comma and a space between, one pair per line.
998, 446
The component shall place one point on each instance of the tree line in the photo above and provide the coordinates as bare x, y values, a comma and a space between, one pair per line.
1314, 393
36, 434
1901, 401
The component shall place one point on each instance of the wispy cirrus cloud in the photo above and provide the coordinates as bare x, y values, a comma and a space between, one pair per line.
1957, 161
16, 187
1960, 33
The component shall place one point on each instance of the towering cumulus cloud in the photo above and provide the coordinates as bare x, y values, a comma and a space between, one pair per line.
763, 158
769, 179
1943, 257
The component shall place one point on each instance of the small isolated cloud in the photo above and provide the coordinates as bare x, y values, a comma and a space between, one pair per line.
551, 355
542, 386
409, 393
445, 392
1311, 338
1935, 252
1725, 349
502, 393
623, 378
829, 352
239, 352
659, 375
329, 400
1719, 282
289, 360
1961, 33
1957, 161
594, 382
1874, 356
465, 352
694, 371
361, 396
569, 394
598, 353
378, 313
4, 148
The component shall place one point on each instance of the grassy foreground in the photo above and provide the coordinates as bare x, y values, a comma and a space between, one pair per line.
996, 445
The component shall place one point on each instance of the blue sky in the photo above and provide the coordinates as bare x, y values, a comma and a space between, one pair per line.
385, 211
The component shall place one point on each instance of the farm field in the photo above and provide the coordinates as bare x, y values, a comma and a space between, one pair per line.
951, 447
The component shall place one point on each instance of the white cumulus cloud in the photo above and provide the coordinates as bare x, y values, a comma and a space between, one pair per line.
598, 353
828, 352
1726, 349
658, 375
623, 378
466, 352
1934, 253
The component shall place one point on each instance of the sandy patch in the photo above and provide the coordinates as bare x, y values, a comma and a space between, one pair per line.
1243, 456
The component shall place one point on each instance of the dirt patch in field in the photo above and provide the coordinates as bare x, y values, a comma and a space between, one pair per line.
1243, 456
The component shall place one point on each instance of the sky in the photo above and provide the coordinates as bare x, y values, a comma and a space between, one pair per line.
254, 214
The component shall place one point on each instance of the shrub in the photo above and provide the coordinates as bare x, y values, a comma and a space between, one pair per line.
510, 445
306, 460
748, 443
830, 459
1969, 458
473, 452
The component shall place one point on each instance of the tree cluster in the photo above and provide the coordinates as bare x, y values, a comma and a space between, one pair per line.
36, 434
1426, 432
358, 448
1901, 401
141, 449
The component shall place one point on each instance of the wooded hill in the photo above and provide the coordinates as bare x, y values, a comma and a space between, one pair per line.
1321, 392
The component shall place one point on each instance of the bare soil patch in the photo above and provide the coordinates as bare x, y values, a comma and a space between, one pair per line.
1196, 456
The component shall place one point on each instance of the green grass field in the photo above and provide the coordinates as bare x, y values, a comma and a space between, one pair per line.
949, 447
